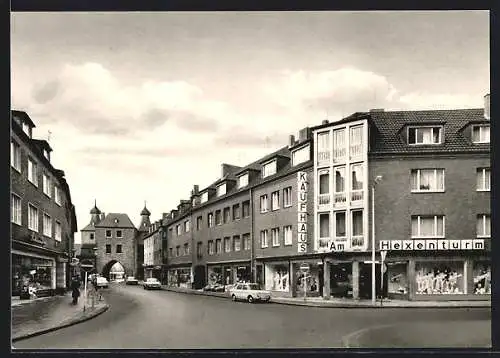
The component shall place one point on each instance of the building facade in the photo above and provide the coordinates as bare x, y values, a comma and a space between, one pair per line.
43, 220
153, 252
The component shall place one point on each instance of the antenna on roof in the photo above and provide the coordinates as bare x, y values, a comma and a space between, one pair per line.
95, 203
144, 203
48, 135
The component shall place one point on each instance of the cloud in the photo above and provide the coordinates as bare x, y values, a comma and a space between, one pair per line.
239, 136
46, 92
426, 100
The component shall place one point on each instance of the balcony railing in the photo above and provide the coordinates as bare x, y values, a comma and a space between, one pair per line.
339, 199
339, 154
323, 243
356, 195
357, 241
356, 150
324, 199
324, 157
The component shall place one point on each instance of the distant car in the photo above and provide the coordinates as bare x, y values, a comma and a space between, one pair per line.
131, 280
250, 292
152, 284
102, 282
214, 287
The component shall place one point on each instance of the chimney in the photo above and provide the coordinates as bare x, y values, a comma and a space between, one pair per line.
164, 216
376, 110
487, 106
196, 190
325, 121
291, 140
103, 215
304, 134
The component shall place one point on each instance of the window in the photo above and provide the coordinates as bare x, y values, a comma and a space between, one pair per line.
91, 236
427, 180
301, 155
32, 218
227, 244
287, 233
199, 222
210, 219
483, 225
46, 154
236, 243
218, 246
108, 233
119, 233
246, 241
357, 222
483, 179
32, 172
46, 185
275, 236
210, 247
171, 252
47, 225
324, 225
177, 251
275, 200
178, 230
204, 197
263, 239
339, 146
15, 209
340, 226
481, 134
263, 203
427, 226
269, 169
118, 249
424, 135
58, 235
26, 129
324, 182
221, 189
357, 176
199, 249
187, 226
323, 147
246, 208
218, 217
227, 215
287, 197
15, 156
57, 195
356, 141
236, 212
186, 249
243, 181
108, 248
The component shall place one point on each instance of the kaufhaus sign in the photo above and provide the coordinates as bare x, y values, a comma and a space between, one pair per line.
475, 244
302, 212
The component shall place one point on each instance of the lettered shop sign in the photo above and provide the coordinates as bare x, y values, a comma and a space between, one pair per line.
302, 212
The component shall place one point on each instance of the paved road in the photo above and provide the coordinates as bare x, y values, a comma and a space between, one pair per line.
168, 320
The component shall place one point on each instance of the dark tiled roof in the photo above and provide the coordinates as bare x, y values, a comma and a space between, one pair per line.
388, 126
23, 115
89, 227
123, 221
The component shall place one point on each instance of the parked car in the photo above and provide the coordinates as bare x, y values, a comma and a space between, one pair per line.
102, 282
250, 292
152, 284
131, 280
214, 287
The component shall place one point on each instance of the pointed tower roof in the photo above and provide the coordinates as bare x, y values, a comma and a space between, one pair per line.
95, 209
145, 211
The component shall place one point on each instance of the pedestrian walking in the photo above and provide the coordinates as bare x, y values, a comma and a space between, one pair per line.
75, 288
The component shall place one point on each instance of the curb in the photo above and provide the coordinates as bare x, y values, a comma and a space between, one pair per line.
335, 305
72, 322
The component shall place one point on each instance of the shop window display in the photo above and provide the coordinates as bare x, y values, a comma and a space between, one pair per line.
397, 278
277, 278
184, 278
439, 277
31, 274
215, 276
482, 277
312, 281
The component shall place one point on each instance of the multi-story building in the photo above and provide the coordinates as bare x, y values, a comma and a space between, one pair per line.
43, 220
153, 252
88, 245
142, 231
306, 210
427, 174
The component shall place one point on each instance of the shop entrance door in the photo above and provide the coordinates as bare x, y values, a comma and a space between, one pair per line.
365, 281
199, 277
341, 279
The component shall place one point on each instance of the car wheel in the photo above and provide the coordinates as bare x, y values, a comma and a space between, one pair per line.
250, 299
233, 297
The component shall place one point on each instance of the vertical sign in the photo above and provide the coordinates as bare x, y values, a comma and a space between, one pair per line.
302, 212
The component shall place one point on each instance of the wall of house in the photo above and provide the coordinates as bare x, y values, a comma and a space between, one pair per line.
126, 258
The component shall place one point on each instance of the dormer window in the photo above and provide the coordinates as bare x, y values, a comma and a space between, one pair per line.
301, 155
27, 129
425, 135
221, 189
46, 154
269, 169
204, 197
481, 133
243, 181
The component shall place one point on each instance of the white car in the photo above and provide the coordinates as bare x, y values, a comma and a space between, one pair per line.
152, 284
102, 282
250, 292
131, 280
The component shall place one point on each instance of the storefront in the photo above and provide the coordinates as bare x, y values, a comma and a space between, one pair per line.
179, 277
34, 271
228, 273
310, 281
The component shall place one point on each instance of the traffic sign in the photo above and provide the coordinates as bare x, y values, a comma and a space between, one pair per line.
87, 267
304, 267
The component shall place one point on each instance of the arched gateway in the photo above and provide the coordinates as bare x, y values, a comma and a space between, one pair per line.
113, 270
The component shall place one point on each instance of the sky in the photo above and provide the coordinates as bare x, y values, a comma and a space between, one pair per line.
142, 106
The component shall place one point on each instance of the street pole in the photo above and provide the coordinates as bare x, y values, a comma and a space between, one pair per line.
85, 293
373, 244
305, 288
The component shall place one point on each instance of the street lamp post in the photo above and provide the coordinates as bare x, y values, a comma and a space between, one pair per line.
377, 180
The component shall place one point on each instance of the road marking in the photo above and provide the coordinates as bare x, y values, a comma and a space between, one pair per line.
345, 340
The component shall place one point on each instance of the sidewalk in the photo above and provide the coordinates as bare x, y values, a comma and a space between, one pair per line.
34, 317
346, 303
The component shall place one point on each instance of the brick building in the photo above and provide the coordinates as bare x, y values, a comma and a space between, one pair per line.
43, 220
